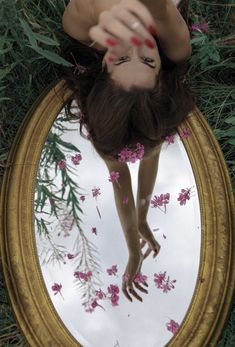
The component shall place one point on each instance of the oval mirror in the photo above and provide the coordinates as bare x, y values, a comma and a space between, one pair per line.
64, 249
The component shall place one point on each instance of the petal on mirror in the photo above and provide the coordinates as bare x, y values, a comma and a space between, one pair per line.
82, 248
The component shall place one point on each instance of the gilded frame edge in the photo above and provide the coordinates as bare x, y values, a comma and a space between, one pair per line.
212, 297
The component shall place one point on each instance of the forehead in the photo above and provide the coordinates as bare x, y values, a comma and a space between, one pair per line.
134, 74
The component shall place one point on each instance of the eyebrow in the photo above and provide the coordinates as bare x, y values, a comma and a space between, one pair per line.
143, 62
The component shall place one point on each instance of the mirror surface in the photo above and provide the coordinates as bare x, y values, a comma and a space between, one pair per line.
82, 261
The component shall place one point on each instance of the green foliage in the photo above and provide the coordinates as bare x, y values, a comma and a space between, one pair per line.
212, 71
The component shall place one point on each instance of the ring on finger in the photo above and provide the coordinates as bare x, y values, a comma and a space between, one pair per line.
135, 25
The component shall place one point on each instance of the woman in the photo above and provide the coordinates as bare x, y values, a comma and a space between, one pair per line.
130, 91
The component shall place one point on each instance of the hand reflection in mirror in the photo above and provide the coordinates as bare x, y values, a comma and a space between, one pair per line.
134, 219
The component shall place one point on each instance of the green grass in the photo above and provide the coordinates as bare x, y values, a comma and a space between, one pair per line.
30, 36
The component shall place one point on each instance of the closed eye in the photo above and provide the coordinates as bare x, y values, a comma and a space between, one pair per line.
144, 61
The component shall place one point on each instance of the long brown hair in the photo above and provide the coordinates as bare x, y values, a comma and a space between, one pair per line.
115, 117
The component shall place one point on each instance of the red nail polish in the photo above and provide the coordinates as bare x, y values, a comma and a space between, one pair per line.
136, 41
152, 30
149, 43
111, 42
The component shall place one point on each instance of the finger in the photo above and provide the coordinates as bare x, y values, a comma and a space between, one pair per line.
142, 12
140, 288
118, 23
126, 292
133, 292
142, 243
149, 250
96, 33
128, 19
114, 26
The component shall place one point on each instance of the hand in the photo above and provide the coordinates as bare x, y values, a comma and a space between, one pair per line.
147, 236
114, 26
133, 267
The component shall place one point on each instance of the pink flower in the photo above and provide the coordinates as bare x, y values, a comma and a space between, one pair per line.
62, 164
195, 26
82, 198
166, 287
127, 155
94, 304
56, 288
114, 300
159, 278
113, 289
161, 200
185, 133
112, 270
204, 27
100, 294
96, 192
94, 230
82, 275
138, 278
125, 200
76, 159
172, 326
114, 176
184, 196
163, 283
71, 256
170, 139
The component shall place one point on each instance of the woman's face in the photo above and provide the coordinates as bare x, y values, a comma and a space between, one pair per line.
134, 66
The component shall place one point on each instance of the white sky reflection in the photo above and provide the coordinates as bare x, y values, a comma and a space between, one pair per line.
131, 324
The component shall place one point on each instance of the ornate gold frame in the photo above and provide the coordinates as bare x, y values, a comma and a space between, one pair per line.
30, 300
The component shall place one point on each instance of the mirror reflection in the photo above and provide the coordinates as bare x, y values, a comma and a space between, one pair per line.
84, 251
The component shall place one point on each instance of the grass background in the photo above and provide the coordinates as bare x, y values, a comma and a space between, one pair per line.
30, 39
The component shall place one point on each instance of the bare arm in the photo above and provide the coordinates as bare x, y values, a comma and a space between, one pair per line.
147, 174
172, 31
126, 212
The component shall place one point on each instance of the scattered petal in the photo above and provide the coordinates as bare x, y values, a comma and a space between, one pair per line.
112, 270
96, 192
128, 155
62, 164
162, 282
170, 139
139, 278
186, 132
71, 256
56, 288
125, 200
94, 230
184, 196
172, 326
114, 176
76, 159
